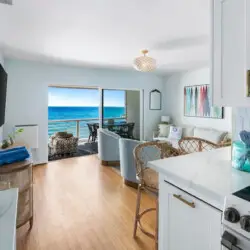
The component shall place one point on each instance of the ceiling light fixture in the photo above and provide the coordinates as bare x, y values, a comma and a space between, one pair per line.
144, 63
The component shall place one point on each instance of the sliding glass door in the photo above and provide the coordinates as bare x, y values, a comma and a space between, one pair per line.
113, 107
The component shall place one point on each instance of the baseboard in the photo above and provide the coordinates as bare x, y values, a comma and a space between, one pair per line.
130, 183
111, 163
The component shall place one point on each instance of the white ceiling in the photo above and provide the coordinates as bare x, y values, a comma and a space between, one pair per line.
107, 33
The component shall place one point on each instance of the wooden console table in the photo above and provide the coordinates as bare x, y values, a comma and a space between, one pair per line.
20, 175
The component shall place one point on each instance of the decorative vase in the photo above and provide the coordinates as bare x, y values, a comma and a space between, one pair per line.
241, 156
11, 141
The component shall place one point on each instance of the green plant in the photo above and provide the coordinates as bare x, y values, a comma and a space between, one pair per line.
14, 134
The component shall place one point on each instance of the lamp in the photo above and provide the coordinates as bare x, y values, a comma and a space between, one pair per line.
144, 63
165, 118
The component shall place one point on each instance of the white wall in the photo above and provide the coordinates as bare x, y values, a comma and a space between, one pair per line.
174, 100
1, 128
133, 110
27, 93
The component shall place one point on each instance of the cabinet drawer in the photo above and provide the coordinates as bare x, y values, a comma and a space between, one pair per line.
186, 198
186, 222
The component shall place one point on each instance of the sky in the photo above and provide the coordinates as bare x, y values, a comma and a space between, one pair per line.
70, 97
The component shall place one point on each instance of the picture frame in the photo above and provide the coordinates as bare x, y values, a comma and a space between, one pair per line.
197, 103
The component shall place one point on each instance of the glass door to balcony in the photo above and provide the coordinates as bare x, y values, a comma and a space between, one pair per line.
113, 107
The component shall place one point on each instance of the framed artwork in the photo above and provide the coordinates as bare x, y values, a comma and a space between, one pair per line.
155, 100
197, 103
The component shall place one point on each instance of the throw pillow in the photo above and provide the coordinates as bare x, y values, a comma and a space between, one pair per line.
212, 135
187, 131
175, 133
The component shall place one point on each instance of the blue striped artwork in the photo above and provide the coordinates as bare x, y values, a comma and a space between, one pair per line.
197, 103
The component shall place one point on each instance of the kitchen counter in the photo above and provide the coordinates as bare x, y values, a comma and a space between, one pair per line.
207, 175
8, 213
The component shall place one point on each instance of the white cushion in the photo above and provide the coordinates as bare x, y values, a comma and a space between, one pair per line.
187, 131
175, 133
164, 130
212, 135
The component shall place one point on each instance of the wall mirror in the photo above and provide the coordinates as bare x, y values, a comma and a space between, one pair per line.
155, 100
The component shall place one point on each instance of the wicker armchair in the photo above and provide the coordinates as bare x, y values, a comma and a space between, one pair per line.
189, 145
148, 179
63, 143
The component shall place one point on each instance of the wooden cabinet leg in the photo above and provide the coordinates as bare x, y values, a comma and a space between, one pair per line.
157, 224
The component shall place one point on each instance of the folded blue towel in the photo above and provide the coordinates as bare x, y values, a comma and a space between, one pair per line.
13, 155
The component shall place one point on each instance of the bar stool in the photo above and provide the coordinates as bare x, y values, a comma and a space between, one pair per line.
148, 179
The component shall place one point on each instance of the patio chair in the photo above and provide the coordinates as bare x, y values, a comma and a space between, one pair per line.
127, 130
93, 127
62, 143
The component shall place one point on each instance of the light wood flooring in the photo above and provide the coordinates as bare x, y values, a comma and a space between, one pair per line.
81, 205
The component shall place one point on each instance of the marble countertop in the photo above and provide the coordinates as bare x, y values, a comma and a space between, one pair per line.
8, 213
207, 175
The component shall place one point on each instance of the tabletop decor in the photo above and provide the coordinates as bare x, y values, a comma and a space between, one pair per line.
197, 103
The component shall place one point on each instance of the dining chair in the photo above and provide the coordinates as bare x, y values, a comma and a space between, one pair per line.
148, 179
189, 145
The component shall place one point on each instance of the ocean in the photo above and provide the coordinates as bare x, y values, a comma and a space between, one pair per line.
71, 113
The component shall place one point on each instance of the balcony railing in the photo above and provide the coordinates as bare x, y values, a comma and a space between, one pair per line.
78, 127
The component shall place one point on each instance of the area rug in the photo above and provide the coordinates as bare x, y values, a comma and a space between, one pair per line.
82, 150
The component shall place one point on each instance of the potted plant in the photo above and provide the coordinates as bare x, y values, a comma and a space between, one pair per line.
13, 135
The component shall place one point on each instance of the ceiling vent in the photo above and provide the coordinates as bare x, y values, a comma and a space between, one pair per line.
10, 2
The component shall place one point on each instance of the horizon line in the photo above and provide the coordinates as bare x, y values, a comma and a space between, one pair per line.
85, 106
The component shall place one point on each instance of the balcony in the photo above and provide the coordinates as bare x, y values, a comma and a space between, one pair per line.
78, 127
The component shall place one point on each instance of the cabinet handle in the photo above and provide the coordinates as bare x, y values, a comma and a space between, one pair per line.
191, 204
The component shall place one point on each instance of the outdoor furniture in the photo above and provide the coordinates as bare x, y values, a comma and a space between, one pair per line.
63, 143
93, 127
148, 179
108, 147
189, 145
125, 130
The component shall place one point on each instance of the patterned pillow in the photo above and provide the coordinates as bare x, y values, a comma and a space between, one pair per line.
175, 133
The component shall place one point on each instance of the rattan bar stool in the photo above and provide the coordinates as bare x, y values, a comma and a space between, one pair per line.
189, 145
148, 179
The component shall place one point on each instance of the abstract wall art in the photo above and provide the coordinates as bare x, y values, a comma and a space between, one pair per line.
197, 103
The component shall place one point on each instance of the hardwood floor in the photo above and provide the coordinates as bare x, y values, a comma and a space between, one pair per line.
79, 204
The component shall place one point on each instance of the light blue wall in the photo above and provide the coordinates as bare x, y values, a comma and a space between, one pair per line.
27, 94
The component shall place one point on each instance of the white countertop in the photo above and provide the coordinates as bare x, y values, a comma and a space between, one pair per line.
207, 175
8, 213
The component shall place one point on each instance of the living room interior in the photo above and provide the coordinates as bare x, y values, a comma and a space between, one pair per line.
108, 196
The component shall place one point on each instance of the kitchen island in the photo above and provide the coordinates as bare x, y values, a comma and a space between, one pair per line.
192, 191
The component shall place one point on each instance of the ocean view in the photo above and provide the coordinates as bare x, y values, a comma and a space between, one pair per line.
71, 113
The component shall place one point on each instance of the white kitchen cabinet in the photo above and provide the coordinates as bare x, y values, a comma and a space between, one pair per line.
187, 223
230, 52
